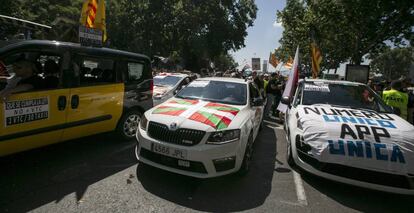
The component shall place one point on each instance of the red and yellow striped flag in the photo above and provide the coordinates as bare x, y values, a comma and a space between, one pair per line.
93, 15
316, 60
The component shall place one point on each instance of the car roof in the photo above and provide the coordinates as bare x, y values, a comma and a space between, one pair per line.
47, 43
332, 81
224, 79
172, 74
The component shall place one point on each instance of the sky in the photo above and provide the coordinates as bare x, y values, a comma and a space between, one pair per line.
263, 37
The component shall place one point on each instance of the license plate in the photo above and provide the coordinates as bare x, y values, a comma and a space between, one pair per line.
169, 151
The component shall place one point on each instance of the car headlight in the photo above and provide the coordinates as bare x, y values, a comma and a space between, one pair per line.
143, 123
223, 137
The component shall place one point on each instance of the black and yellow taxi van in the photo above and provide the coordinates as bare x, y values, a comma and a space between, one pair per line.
86, 91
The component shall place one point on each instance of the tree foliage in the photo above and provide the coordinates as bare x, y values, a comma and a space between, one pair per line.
393, 63
197, 31
344, 29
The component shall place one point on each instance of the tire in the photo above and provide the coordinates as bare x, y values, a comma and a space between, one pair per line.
289, 157
128, 125
245, 167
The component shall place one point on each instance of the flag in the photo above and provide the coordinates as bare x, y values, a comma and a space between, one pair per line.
93, 15
289, 63
316, 60
291, 82
273, 60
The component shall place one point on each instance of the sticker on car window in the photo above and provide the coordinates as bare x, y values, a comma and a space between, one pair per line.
317, 88
24, 111
199, 84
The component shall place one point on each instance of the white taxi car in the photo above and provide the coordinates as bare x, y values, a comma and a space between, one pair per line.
206, 130
166, 85
344, 132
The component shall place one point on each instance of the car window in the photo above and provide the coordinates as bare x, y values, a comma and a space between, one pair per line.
45, 65
94, 70
345, 95
169, 81
298, 96
135, 71
215, 91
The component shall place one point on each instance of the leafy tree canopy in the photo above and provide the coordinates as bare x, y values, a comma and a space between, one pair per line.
198, 31
344, 29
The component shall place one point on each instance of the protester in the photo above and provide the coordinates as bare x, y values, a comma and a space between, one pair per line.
23, 80
274, 94
396, 98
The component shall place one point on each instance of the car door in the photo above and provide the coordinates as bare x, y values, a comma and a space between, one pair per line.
291, 120
34, 118
256, 111
96, 101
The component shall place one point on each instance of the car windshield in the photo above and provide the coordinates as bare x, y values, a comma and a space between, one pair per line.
215, 91
166, 80
342, 95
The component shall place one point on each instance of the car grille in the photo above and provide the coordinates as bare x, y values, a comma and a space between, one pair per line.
184, 137
364, 175
172, 162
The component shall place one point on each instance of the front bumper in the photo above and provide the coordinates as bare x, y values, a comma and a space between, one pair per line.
202, 157
365, 178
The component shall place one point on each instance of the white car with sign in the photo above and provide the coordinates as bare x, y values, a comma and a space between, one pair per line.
166, 85
206, 130
344, 132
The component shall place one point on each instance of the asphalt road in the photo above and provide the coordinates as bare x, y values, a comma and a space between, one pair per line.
101, 174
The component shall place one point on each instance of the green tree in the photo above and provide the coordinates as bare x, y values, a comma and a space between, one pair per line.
393, 63
344, 29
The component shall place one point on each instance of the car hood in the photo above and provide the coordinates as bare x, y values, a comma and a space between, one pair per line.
197, 114
358, 138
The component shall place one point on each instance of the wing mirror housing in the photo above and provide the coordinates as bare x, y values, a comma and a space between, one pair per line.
286, 100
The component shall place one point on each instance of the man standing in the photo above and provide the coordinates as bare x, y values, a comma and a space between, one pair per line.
274, 94
396, 98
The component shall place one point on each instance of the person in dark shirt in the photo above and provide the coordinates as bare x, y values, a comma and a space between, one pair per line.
273, 93
25, 71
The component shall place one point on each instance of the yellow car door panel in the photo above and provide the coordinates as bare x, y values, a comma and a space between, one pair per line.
94, 109
32, 119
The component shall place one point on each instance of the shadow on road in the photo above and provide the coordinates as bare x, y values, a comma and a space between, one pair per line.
361, 199
222, 194
31, 179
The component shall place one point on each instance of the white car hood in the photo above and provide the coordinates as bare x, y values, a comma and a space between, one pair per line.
197, 114
384, 141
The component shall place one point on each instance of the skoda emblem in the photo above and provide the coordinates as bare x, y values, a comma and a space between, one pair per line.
173, 126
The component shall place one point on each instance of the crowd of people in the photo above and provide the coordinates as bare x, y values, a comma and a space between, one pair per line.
398, 94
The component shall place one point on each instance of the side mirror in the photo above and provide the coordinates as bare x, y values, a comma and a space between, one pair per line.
257, 102
396, 110
286, 100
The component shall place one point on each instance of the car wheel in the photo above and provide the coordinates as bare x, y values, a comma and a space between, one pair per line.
289, 157
261, 126
128, 125
245, 167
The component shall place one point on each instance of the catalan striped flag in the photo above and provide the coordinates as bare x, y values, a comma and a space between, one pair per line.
93, 15
316, 60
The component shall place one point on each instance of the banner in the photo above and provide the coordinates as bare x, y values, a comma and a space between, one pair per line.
358, 138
